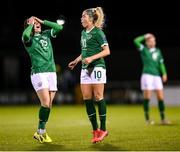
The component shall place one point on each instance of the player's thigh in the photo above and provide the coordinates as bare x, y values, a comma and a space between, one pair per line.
52, 95
98, 91
87, 91
44, 97
160, 94
147, 94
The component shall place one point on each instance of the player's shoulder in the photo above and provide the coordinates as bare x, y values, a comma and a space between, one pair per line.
83, 31
158, 49
98, 31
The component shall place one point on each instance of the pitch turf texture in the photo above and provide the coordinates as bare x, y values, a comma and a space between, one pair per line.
70, 129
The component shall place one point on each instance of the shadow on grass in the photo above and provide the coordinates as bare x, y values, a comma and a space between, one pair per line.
105, 147
49, 147
167, 125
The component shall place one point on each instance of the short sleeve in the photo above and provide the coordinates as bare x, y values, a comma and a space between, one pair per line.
101, 38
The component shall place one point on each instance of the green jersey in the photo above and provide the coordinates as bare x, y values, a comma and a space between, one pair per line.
91, 44
40, 48
153, 62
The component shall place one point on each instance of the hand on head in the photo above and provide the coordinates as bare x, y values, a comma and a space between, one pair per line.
30, 20
148, 35
34, 19
38, 20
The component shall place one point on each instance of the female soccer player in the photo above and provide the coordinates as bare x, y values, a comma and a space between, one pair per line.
153, 69
43, 71
94, 48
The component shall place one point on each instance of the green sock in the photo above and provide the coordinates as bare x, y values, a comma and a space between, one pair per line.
146, 108
91, 111
102, 113
161, 109
43, 116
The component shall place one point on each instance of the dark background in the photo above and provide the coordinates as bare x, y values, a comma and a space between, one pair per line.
124, 21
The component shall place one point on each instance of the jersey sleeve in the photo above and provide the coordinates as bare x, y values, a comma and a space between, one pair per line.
55, 28
26, 36
161, 64
138, 41
161, 59
101, 38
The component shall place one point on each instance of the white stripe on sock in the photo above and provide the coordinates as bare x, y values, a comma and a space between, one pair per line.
102, 115
92, 114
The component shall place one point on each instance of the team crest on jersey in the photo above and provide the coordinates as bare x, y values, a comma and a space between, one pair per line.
155, 56
89, 36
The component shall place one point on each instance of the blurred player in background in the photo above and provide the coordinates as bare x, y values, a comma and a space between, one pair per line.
153, 69
94, 47
43, 70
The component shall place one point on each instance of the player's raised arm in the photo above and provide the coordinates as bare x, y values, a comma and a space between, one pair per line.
29, 23
55, 26
138, 41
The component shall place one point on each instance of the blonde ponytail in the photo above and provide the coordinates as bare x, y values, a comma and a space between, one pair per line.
97, 16
100, 17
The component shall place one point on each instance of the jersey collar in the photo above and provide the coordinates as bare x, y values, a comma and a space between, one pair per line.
152, 50
37, 34
87, 31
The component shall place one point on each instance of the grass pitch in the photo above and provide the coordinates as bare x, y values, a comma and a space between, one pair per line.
70, 129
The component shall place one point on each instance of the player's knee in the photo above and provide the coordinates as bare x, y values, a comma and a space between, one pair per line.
87, 96
160, 98
50, 105
46, 104
98, 97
